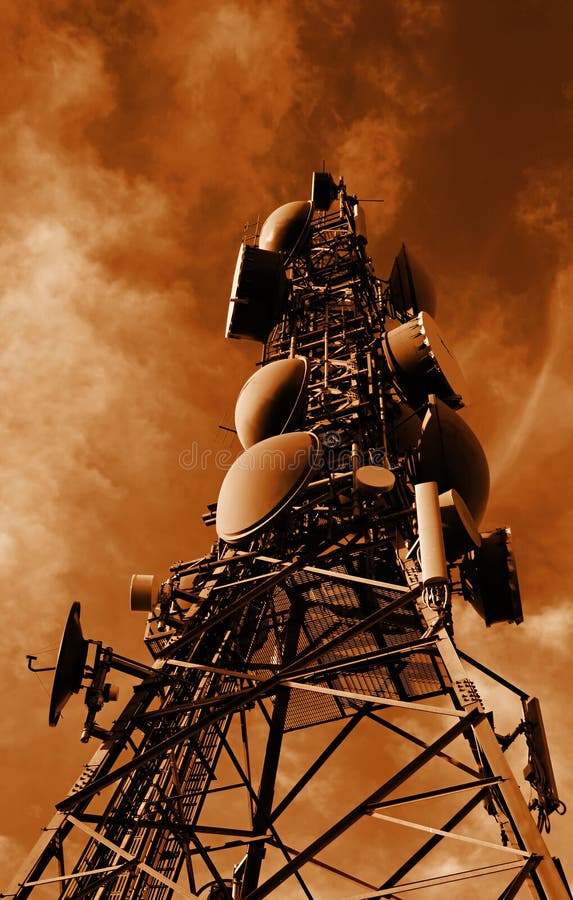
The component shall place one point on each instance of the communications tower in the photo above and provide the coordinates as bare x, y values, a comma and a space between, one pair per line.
316, 636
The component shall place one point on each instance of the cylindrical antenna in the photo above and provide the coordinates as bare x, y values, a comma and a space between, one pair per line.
432, 552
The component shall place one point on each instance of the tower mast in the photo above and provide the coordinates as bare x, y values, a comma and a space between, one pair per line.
324, 608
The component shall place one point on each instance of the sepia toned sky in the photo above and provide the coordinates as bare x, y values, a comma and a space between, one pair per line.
136, 139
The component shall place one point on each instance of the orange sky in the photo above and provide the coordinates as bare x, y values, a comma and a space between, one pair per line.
136, 139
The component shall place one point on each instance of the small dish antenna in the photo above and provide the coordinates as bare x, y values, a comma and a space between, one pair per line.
375, 479
72, 669
70, 666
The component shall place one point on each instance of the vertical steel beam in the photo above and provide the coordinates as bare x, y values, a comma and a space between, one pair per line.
257, 850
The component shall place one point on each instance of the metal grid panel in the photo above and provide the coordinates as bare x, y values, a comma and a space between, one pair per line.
331, 608
305, 709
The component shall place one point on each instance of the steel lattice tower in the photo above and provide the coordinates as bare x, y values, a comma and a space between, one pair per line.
323, 606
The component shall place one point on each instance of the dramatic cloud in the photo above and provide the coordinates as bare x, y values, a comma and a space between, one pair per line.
136, 139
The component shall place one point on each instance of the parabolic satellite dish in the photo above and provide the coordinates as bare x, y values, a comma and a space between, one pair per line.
422, 364
407, 427
411, 288
262, 482
287, 228
450, 454
70, 666
271, 401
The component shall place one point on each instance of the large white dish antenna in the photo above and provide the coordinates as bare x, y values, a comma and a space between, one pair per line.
271, 401
263, 482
